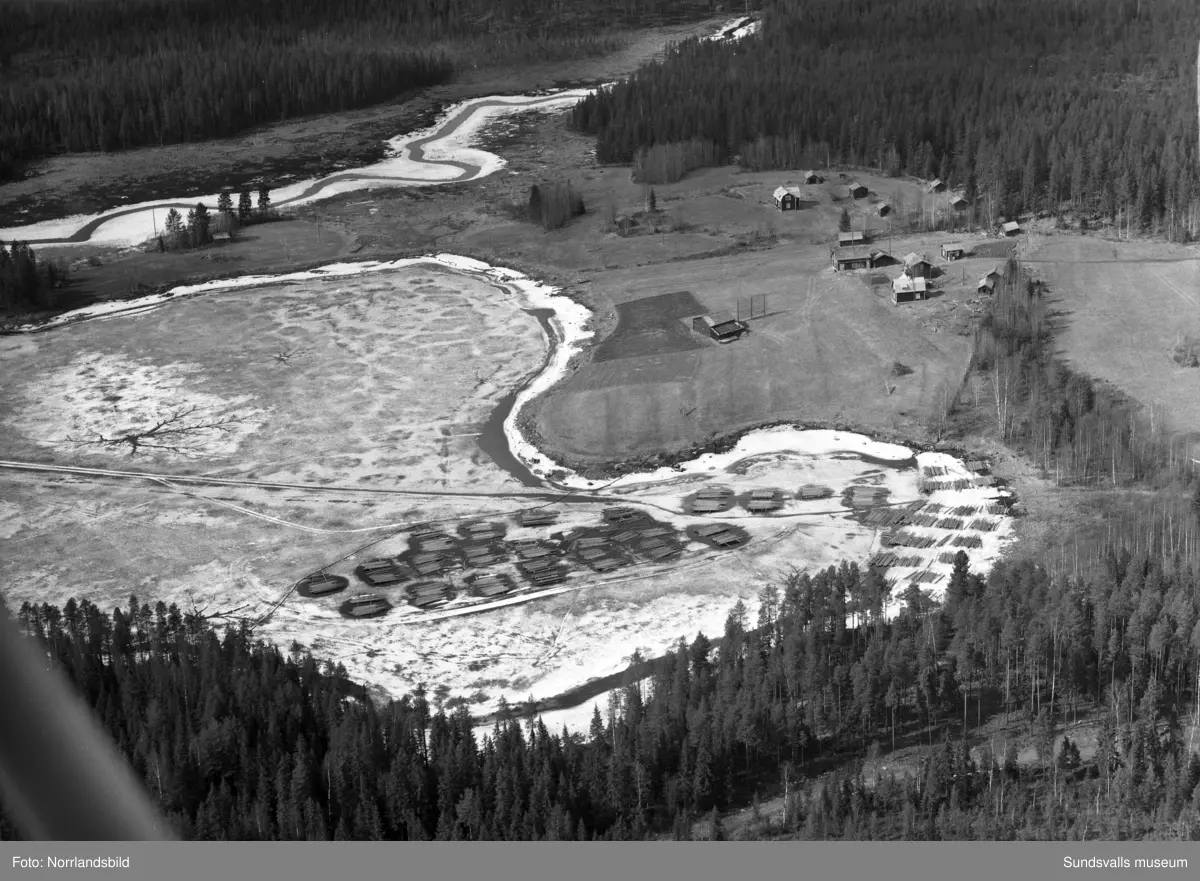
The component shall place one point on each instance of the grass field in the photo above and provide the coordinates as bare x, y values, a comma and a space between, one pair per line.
822, 354
1125, 308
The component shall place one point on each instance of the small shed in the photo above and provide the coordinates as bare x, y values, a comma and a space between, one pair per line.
953, 251
854, 237
810, 177
906, 289
856, 190
987, 284
721, 326
1011, 228
787, 198
959, 202
917, 265
884, 209
935, 186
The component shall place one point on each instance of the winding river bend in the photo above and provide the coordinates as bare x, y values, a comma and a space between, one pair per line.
438, 155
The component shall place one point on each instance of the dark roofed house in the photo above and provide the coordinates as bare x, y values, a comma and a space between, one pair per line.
1011, 228
935, 186
880, 257
953, 251
854, 237
856, 190
884, 209
810, 177
917, 265
958, 202
787, 198
721, 326
852, 257
987, 284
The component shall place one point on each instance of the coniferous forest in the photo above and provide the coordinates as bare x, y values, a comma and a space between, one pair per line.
1037, 105
237, 741
116, 74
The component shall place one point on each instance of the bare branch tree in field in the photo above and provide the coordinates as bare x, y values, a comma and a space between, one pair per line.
182, 430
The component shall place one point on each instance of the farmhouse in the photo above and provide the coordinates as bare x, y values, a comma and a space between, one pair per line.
721, 326
935, 186
953, 251
787, 198
852, 257
855, 190
856, 237
917, 265
860, 257
905, 289
1011, 228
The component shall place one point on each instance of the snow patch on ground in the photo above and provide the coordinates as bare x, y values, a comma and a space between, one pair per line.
106, 396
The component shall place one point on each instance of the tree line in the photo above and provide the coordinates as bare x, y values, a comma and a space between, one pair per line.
27, 283
1025, 106
237, 740
117, 74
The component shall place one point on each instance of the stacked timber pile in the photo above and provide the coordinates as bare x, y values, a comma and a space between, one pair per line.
967, 541
484, 555
885, 517
985, 480
907, 539
984, 525
490, 585
763, 501
812, 491
889, 559
380, 573
926, 576
976, 465
365, 605
709, 500
482, 532
428, 594
949, 523
537, 517
321, 584
865, 496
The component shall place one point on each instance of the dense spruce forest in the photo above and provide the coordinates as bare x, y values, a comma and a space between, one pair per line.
27, 283
115, 74
1025, 105
237, 741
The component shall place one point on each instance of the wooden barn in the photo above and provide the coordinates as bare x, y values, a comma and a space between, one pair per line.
880, 257
953, 251
856, 190
883, 209
959, 202
721, 326
787, 198
811, 177
854, 237
852, 257
935, 186
1011, 228
860, 257
987, 284
906, 289
917, 265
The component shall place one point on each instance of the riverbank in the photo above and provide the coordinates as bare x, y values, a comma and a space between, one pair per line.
302, 149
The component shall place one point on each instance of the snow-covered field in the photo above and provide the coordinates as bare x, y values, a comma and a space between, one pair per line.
236, 547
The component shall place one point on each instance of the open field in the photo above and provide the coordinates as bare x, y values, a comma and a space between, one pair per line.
1126, 307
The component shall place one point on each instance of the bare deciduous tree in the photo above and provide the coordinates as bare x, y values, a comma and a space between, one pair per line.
182, 430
